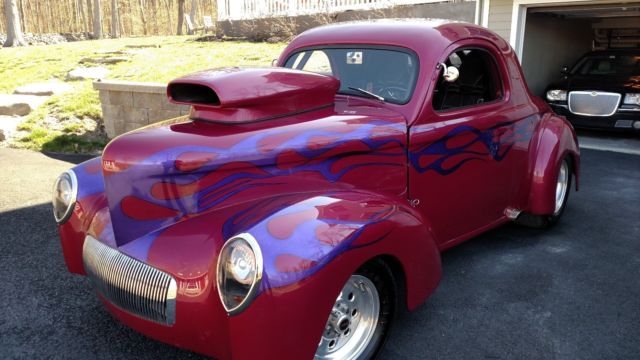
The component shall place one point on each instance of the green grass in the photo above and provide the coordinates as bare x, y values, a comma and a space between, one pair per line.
71, 122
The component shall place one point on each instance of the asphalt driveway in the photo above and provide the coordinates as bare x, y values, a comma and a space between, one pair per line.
572, 292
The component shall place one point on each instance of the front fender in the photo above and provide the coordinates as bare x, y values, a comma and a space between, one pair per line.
310, 249
555, 140
90, 199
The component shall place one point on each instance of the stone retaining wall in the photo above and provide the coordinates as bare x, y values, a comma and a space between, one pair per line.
129, 105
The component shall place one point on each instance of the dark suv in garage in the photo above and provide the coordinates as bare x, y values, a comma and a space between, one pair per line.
601, 91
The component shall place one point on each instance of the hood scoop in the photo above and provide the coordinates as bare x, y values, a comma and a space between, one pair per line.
242, 95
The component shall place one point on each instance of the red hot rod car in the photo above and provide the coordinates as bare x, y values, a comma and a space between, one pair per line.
299, 207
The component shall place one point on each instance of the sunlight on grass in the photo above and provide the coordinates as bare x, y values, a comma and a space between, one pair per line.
63, 122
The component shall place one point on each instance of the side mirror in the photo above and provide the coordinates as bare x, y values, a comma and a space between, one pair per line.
274, 62
565, 70
450, 73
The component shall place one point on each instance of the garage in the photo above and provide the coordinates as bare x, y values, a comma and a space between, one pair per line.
551, 34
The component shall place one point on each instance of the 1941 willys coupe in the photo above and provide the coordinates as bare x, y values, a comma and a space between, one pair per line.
299, 207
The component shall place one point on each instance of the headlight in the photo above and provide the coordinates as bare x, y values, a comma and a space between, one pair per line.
239, 272
632, 99
557, 95
65, 191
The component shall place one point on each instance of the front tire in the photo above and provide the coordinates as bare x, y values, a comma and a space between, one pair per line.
361, 317
563, 188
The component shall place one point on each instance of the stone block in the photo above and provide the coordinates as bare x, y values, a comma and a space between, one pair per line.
43, 89
159, 115
87, 73
122, 98
19, 105
130, 126
119, 127
148, 100
104, 97
166, 105
112, 115
134, 115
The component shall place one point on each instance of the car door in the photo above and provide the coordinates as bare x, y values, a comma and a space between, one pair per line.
461, 165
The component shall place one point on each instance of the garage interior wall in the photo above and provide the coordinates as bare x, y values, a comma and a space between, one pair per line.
551, 43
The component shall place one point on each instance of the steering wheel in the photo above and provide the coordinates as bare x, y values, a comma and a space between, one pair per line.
392, 92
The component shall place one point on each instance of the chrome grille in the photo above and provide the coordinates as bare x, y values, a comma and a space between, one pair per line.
593, 103
130, 284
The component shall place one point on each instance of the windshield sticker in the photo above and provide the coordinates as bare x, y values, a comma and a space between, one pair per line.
354, 57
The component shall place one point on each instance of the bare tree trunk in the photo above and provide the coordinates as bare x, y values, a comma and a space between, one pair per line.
143, 16
168, 5
85, 24
97, 20
12, 17
180, 16
192, 12
114, 19
23, 16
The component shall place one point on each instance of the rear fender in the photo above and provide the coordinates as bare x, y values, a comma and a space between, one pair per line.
555, 141
311, 248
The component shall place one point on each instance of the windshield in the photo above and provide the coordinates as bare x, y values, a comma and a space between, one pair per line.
608, 65
388, 75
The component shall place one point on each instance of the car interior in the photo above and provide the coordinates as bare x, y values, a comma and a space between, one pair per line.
478, 82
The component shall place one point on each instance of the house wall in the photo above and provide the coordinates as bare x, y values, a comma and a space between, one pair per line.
261, 29
549, 44
500, 12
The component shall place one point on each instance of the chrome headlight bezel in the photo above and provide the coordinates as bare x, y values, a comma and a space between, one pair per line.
631, 99
224, 279
557, 95
70, 177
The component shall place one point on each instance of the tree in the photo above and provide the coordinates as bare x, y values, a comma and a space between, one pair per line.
14, 32
180, 16
97, 20
114, 19
192, 12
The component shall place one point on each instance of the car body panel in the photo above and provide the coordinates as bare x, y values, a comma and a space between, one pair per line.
323, 190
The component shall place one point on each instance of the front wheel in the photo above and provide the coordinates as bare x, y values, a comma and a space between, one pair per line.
563, 187
361, 316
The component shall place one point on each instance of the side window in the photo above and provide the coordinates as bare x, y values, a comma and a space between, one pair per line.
314, 60
479, 81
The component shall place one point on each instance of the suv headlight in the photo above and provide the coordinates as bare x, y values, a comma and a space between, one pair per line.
239, 272
557, 95
65, 191
632, 99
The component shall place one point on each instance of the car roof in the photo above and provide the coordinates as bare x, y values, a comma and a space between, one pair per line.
420, 35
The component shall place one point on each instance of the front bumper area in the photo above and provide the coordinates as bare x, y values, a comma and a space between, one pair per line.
130, 284
619, 121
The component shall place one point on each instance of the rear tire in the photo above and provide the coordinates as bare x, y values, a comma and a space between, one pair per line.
563, 188
367, 303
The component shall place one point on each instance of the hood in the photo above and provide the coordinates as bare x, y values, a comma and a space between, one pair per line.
618, 84
165, 173
241, 95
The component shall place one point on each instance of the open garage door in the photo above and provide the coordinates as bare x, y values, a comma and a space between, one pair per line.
550, 36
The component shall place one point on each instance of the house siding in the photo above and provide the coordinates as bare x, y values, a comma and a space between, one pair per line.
500, 17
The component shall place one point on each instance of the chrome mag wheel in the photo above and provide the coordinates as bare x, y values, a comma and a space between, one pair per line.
561, 186
352, 321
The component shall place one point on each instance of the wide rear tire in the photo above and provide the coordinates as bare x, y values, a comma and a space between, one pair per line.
563, 188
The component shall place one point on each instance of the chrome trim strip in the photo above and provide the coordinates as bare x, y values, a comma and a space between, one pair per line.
130, 284
629, 110
597, 93
74, 196
253, 291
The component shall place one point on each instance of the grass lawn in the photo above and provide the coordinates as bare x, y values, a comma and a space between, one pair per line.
71, 122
